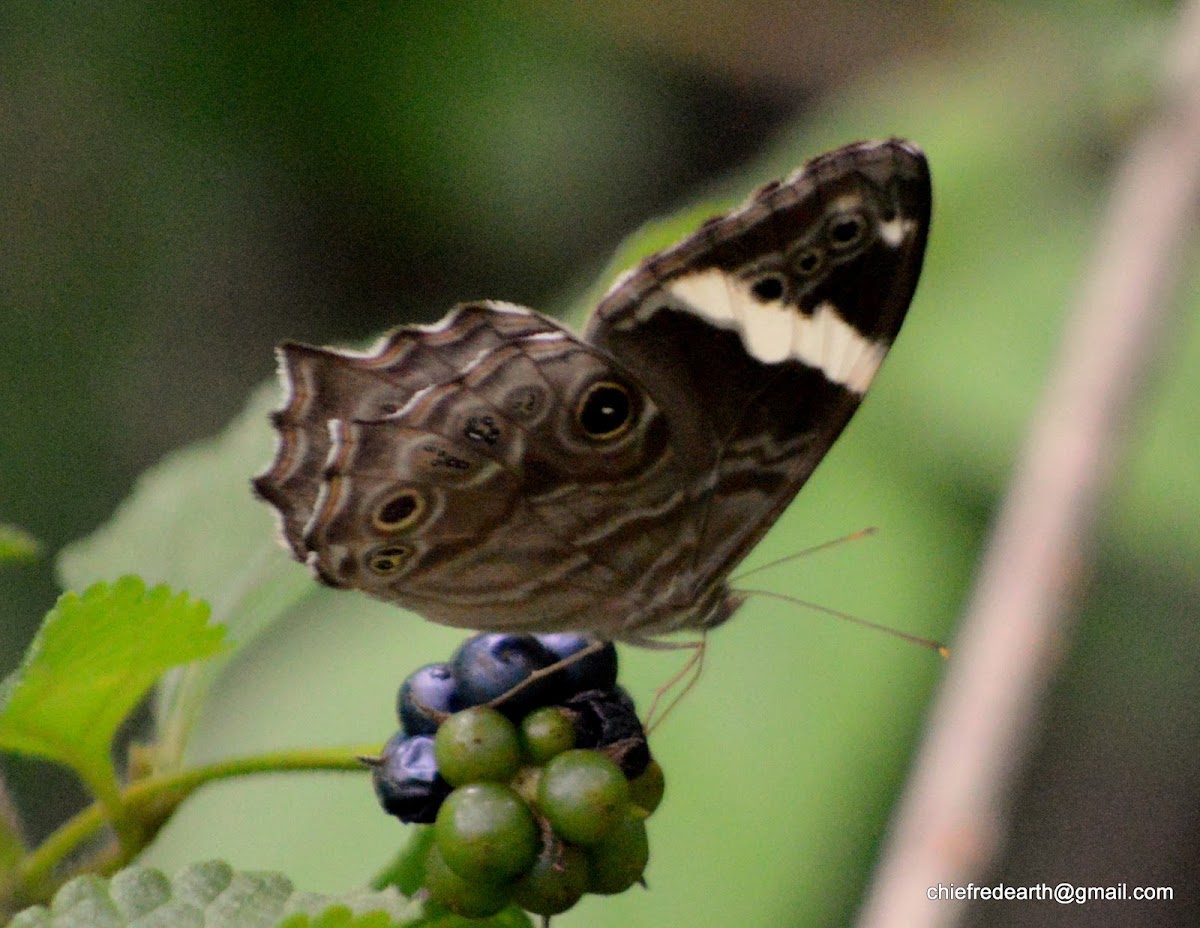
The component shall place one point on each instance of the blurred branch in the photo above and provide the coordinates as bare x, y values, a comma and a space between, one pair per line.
953, 819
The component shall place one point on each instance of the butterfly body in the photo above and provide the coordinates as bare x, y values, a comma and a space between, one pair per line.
496, 471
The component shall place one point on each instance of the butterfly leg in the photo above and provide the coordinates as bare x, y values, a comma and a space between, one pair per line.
688, 675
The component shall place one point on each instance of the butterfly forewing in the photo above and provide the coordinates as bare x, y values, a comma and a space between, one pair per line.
767, 326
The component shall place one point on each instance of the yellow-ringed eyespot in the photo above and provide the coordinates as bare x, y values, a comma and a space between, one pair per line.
387, 560
399, 511
605, 410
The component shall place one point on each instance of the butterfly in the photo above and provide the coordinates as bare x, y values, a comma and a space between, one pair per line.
496, 471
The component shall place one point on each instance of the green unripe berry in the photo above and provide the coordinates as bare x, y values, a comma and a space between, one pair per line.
584, 796
477, 745
546, 733
468, 898
557, 881
619, 861
646, 792
486, 832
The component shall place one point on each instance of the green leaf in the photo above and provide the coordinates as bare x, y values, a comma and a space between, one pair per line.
340, 917
91, 662
193, 523
418, 917
406, 871
16, 544
212, 895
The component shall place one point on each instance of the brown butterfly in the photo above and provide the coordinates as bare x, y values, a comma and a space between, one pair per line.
497, 472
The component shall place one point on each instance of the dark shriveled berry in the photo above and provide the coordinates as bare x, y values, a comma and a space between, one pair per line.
607, 720
406, 779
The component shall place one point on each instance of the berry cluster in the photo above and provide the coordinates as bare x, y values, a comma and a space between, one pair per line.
536, 795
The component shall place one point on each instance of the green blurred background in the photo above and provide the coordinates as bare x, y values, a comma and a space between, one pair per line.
183, 187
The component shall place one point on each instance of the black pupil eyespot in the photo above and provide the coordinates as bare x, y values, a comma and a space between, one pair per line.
605, 410
809, 262
845, 231
768, 289
398, 509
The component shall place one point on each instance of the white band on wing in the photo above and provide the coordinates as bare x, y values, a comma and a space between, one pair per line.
774, 331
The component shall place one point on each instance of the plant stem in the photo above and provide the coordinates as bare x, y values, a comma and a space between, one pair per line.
146, 805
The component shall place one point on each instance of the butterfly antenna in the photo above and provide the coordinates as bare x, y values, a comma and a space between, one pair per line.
927, 643
853, 536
